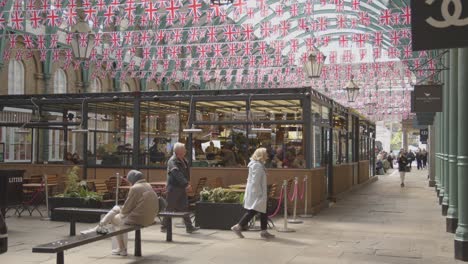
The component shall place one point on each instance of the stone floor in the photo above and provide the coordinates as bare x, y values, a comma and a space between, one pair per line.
379, 223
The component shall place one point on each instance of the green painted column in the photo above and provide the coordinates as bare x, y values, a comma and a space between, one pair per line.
442, 136
437, 150
445, 142
452, 213
461, 234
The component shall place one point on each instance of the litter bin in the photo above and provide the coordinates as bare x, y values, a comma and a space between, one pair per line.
3, 235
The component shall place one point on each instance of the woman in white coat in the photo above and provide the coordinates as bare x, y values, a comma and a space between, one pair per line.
255, 200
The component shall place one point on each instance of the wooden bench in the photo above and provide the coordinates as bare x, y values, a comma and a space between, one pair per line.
72, 213
60, 246
169, 216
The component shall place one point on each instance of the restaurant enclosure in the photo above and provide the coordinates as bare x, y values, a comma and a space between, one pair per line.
305, 133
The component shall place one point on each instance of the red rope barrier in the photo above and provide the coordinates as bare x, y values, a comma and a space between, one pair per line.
291, 198
301, 196
279, 204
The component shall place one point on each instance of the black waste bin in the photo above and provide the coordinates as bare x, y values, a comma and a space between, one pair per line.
3, 235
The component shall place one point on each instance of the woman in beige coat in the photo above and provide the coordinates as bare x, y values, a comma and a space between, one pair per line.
255, 199
140, 208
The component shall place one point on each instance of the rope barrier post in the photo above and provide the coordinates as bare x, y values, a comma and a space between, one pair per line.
285, 197
294, 220
117, 176
44, 175
306, 186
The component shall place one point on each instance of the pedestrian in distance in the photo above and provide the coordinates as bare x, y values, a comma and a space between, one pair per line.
402, 163
255, 200
177, 186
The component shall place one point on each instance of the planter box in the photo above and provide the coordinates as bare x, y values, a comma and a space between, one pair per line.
217, 215
73, 202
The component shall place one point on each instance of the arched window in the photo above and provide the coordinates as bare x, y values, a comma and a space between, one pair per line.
60, 81
15, 77
96, 86
125, 87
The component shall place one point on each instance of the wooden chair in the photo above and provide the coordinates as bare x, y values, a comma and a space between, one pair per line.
194, 196
111, 184
52, 179
99, 186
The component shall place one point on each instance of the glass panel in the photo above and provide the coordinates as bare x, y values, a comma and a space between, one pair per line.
317, 146
161, 126
316, 113
221, 111
276, 110
325, 115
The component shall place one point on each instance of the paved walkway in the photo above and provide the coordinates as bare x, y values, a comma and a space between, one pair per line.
379, 223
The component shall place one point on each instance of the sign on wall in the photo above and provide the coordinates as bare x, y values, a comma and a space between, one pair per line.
427, 98
439, 24
423, 135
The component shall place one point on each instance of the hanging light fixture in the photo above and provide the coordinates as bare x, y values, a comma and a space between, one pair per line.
82, 49
352, 90
314, 63
80, 128
192, 129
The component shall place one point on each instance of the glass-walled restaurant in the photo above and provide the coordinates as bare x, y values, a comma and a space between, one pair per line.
301, 129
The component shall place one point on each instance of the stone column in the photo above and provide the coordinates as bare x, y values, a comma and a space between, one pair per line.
452, 213
461, 234
445, 142
431, 156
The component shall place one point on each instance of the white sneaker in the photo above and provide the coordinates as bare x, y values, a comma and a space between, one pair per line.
237, 230
265, 234
89, 231
119, 252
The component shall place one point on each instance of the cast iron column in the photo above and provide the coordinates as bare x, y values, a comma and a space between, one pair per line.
431, 156
136, 131
446, 198
452, 213
461, 235
439, 154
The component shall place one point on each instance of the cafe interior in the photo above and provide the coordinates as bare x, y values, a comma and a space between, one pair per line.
305, 133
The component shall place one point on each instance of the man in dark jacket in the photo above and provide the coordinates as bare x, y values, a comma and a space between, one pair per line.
177, 186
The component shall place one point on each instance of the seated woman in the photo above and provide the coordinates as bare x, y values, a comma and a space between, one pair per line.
140, 208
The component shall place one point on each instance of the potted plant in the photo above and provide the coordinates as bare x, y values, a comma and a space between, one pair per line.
76, 194
218, 209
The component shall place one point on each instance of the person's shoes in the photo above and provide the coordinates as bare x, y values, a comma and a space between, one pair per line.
237, 230
192, 229
163, 230
120, 252
90, 231
402, 185
265, 234
102, 230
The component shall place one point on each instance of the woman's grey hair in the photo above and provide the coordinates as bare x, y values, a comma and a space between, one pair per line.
178, 146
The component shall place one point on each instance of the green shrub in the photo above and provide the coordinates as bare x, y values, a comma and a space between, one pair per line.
220, 195
76, 189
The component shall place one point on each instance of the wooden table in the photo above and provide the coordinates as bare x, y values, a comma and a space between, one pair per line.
158, 183
238, 186
38, 185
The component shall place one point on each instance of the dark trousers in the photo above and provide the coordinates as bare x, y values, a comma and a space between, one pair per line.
250, 214
177, 202
419, 162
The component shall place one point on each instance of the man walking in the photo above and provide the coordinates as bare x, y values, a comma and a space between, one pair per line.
177, 186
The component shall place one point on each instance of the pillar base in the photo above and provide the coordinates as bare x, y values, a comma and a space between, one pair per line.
461, 250
444, 209
451, 225
438, 191
440, 200
432, 183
